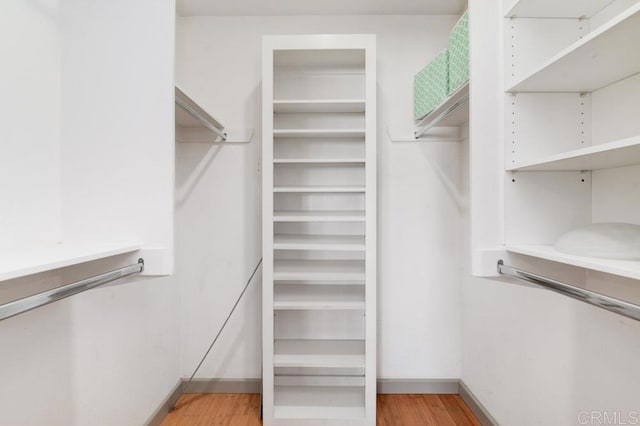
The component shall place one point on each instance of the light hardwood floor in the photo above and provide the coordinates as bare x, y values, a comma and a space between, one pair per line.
393, 410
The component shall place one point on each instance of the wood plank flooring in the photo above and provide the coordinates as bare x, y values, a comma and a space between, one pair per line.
393, 410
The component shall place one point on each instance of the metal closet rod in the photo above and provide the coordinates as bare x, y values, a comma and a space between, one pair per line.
20, 306
611, 304
444, 114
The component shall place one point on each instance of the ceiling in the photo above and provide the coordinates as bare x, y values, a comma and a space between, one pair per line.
319, 7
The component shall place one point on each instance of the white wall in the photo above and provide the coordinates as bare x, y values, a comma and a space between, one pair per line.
30, 129
111, 355
218, 217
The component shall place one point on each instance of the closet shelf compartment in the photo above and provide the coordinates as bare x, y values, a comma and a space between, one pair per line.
319, 161
457, 117
319, 242
289, 106
318, 133
319, 188
17, 263
329, 270
555, 8
319, 216
319, 354
313, 412
608, 54
625, 152
623, 268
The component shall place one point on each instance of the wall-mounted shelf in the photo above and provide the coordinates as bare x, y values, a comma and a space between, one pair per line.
608, 54
452, 112
620, 153
623, 268
288, 106
330, 270
319, 353
319, 242
318, 133
319, 188
196, 124
319, 216
322, 412
555, 9
319, 160
17, 263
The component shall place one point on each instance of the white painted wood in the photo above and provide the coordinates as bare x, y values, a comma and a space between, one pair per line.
319, 133
318, 160
319, 216
325, 412
541, 206
321, 158
531, 42
16, 263
319, 242
318, 105
319, 381
318, 188
267, 234
319, 270
319, 353
566, 118
555, 9
623, 268
586, 65
607, 155
459, 117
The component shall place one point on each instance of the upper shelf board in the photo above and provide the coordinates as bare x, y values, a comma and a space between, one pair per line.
555, 8
197, 117
623, 268
620, 153
320, 58
288, 106
32, 260
606, 55
453, 111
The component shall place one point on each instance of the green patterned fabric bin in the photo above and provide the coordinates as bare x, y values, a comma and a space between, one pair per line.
459, 54
430, 85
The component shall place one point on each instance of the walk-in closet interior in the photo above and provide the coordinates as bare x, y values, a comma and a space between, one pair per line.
410, 212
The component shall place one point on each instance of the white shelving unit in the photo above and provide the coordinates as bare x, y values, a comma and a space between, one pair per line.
319, 224
572, 148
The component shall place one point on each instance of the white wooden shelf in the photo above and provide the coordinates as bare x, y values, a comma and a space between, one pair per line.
319, 160
319, 188
318, 381
555, 8
288, 106
620, 153
623, 268
331, 270
606, 55
319, 242
318, 133
324, 305
313, 412
319, 216
458, 117
319, 354
17, 263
